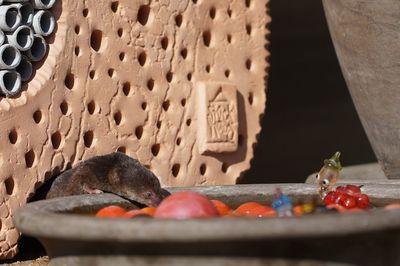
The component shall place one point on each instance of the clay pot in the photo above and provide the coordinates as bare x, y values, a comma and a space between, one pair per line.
320, 239
365, 35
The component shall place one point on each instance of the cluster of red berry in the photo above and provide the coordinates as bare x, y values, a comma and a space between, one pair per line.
348, 196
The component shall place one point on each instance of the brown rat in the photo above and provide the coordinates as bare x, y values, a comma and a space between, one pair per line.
115, 173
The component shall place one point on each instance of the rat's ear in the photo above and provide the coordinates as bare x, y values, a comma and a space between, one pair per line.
113, 177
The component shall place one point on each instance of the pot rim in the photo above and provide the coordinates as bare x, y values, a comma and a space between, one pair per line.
41, 219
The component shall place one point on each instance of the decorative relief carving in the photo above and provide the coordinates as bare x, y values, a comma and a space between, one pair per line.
218, 117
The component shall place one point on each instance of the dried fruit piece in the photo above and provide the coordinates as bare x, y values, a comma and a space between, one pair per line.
186, 205
111, 211
221, 207
254, 209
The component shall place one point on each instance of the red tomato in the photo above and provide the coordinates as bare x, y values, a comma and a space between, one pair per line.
111, 211
254, 209
350, 202
186, 205
135, 213
221, 207
353, 190
363, 201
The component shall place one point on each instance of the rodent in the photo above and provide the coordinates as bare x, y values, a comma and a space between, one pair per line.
114, 173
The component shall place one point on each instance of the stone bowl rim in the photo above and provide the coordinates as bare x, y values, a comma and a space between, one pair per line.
40, 219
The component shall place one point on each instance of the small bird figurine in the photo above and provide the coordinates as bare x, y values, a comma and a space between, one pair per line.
328, 175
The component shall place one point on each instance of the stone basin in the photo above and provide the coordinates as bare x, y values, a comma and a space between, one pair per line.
72, 238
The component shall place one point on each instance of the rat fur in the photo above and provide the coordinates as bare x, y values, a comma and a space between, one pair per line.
114, 173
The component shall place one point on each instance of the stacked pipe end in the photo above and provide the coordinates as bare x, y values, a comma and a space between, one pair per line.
23, 26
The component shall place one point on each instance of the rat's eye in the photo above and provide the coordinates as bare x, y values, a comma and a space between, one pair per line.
148, 194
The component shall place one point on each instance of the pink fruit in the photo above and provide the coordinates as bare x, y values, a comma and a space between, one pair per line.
185, 205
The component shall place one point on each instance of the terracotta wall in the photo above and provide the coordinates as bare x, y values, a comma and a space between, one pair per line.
310, 114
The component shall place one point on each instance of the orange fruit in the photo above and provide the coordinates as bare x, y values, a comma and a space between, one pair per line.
298, 210
111, 211
221, 207
254, 209
149, 211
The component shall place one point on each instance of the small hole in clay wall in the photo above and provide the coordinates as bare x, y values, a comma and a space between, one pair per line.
126, 88
114, 6
77, 50
29, 158
248, 64
247, 3
203, 169
250, 98
208, 68
229, 12
165, 105
56, 140
139, 132
85, 12
175, 169
158, 124
120, 32
64, 107
9, 184
207, 38
229, 38
143, 14
240, 140
212, 12
248, 29
77, 29
92, 74
96, 39
121, 56
150, 84
184, 53
91, 106
227, 73
88, 138
178, 141
37, 116
178, 20
111, 72
155, 149
164, 43
189, 76
188, 122
118, 118
224, 167
169, 76
13, 136
194, 1
69, 80
144, 105
122, 149
183, 102
142, 58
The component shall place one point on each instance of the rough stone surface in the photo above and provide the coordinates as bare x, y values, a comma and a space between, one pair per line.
365, 35
121, 75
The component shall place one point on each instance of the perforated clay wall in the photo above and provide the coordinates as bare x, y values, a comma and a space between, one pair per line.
177, 84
